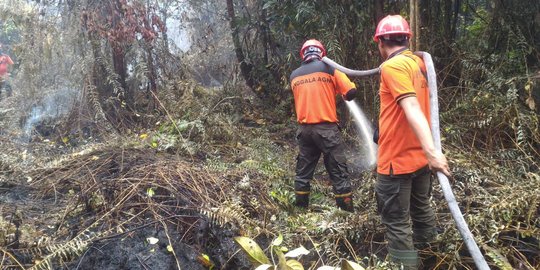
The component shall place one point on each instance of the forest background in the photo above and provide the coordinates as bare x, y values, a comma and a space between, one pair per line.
173, 120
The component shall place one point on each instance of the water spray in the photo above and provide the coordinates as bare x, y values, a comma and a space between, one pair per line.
363, 125
462, 226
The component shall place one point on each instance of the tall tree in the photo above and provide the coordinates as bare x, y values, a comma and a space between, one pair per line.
414, 24
117, 26
245, 67
378, 13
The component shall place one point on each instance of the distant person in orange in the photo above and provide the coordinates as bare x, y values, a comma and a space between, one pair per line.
5, 62
315, 86
406, 154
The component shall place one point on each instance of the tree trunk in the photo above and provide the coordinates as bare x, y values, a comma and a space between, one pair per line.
457, 7
379, 10
418, 24
245, 68
119, 56
119, 64
265, 30
424, 18
96, 91
414, 24
152, 77
100, 119
447, 15
164, 18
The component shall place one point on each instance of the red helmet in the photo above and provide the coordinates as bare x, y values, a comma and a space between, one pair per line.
392, 25
312, 43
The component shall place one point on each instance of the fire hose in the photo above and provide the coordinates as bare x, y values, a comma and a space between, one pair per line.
461, 224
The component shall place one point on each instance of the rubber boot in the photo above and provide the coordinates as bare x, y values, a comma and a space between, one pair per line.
423, 238
302, 199
425, 241
345, 203
407, 258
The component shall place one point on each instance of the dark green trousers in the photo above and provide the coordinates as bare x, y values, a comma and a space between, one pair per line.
402, 200
314, 140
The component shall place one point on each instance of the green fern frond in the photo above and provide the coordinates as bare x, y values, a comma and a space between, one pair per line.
63, 252
227, 213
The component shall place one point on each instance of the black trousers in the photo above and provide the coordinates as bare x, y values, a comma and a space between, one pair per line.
4, 86
404, 198
314, 140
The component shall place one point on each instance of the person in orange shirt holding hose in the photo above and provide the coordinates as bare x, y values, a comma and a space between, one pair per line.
406, 153
5, 62
315, 86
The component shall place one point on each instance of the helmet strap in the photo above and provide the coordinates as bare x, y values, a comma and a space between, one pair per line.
394, 37
311, 57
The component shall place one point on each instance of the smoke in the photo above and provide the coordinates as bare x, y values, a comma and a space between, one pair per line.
51, 108
200, 32
178, 34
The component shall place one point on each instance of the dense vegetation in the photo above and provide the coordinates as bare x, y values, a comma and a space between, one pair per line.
118, 135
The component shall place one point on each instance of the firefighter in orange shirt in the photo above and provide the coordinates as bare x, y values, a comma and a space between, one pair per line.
315, 86
5, 62
406, 154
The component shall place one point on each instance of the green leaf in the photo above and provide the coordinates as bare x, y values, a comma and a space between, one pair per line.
500, 260
348, 265
278, 240
205, 259
528, 86
282, 262
294, 265
150, 192
267, 5
255, 253
530, 102
295, 253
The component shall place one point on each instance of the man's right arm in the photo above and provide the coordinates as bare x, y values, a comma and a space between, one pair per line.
418, 122
344, 85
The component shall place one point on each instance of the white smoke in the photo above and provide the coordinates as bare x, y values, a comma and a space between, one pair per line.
53, 106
